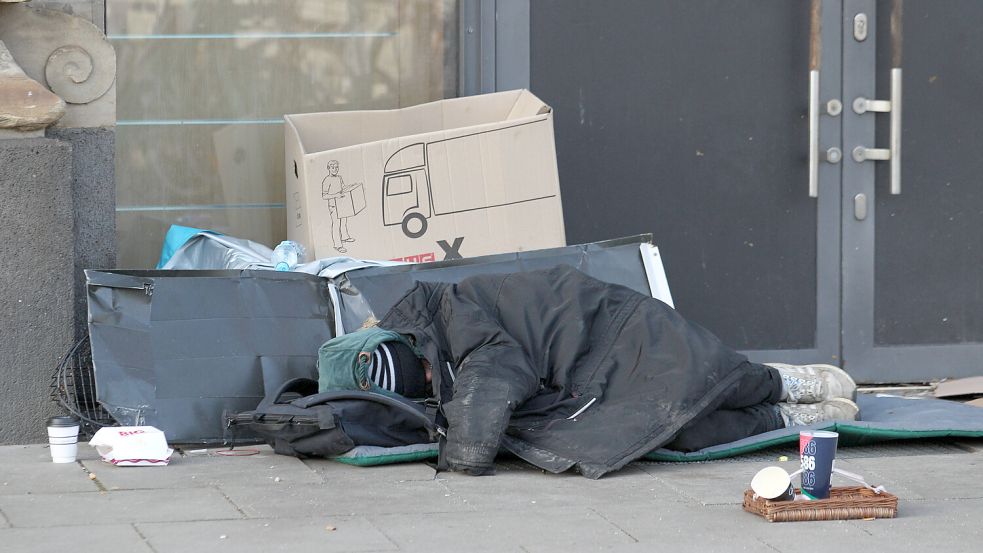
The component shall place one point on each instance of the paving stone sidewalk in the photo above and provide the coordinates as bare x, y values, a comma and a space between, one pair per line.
267, 502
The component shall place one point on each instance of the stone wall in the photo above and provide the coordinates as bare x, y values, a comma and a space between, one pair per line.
37, 270
57, 202
91, 10
94, 206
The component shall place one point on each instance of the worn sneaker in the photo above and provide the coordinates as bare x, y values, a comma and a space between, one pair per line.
795, 414
815, 383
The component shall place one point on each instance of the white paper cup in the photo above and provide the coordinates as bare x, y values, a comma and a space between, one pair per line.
773, 483
63, 439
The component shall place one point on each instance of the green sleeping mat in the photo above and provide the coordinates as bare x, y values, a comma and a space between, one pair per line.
883, 418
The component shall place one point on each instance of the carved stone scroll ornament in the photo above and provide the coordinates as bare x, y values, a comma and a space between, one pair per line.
71, 74
25, 104
68, 54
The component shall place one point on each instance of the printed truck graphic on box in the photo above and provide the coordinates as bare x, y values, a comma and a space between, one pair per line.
466, 173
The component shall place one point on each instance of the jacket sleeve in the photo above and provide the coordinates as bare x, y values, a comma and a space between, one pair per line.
494, 377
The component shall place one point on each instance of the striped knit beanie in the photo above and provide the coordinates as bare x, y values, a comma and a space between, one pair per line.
396, 368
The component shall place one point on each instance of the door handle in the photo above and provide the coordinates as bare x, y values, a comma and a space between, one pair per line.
893, 106
893, 152
814, 133
832, 107
895, 139
815, 51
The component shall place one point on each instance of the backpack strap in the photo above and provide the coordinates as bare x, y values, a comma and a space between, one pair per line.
399, 404
289, 391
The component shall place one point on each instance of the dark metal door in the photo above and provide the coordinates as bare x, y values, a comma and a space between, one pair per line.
913, 264
690, 120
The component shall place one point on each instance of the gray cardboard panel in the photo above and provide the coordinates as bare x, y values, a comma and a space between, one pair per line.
138, 388
278, 369
222, 294
210, 338
138, 342
200, 420
278, 297
177, 349
228, 377
272, 297
103, 301
372, 291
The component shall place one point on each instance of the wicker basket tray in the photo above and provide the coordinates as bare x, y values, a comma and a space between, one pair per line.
842, 504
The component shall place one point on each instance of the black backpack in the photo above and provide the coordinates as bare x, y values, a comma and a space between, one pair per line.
298, 421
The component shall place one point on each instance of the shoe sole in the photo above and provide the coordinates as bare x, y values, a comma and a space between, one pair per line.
847, 404
850, 411
831, 368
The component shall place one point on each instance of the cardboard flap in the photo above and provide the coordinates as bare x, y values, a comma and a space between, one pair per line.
318, 132
470, 111
972, 385
527, 104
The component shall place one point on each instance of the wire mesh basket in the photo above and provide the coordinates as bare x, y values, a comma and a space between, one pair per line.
73, 386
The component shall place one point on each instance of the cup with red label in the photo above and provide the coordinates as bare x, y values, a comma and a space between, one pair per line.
817, 450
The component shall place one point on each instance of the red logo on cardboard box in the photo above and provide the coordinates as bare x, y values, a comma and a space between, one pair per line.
419, 258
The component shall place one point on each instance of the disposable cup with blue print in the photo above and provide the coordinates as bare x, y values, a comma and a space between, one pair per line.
817, 451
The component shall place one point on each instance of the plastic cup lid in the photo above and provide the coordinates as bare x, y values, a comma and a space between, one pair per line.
819, 433
63, 421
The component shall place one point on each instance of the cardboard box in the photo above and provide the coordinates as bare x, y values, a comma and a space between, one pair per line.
351, 202
449, 179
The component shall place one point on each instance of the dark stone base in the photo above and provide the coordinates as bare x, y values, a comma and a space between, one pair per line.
37, 275
94, 205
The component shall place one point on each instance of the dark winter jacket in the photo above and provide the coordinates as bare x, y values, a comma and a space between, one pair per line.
560, 369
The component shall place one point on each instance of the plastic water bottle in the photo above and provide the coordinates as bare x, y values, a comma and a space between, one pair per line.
287, 255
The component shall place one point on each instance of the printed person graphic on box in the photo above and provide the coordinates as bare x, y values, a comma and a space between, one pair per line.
344, 201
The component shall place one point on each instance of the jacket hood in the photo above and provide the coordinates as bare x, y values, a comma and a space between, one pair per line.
414, 316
